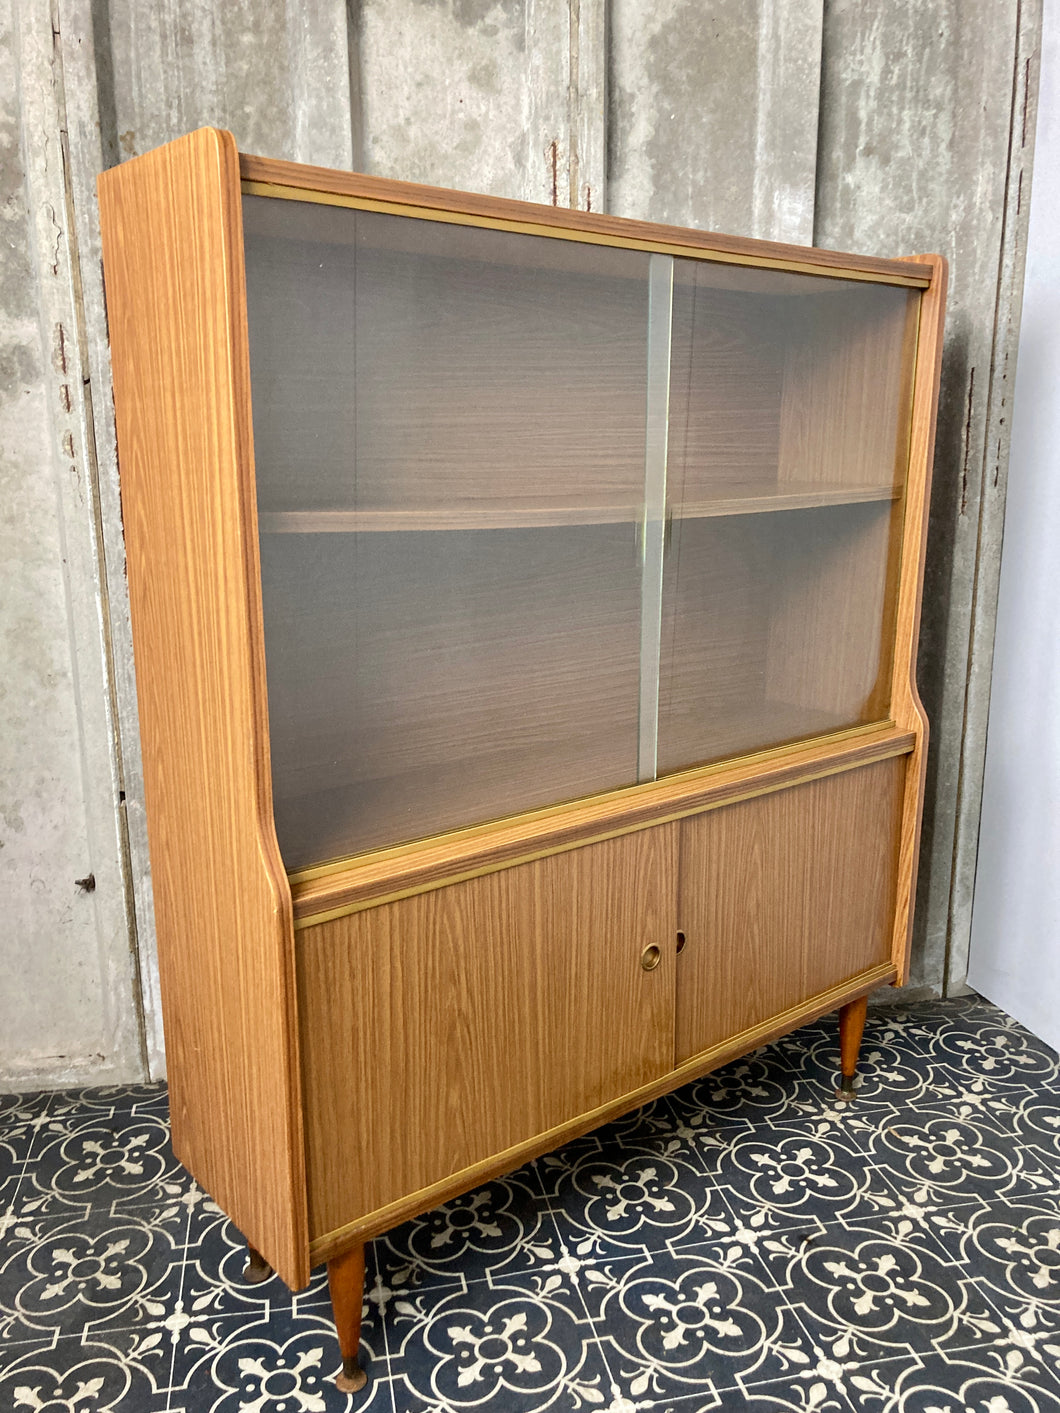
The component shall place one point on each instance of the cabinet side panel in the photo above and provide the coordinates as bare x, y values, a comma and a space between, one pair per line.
174, 276
442, 1029
783, 897
906, 706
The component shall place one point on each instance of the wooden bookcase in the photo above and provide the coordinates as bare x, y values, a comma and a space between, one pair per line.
525, 605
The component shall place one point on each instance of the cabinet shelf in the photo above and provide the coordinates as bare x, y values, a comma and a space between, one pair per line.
504, 515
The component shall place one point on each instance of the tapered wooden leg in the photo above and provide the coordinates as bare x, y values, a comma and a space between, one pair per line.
851, 1026
346, 1283
257, 1268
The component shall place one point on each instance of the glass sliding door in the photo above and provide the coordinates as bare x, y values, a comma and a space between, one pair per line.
542, 518
449, 429
789, 408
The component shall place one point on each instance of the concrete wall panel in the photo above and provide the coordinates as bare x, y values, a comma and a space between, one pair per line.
924, 145
497, 96
68, 1006
274, 72
713, 114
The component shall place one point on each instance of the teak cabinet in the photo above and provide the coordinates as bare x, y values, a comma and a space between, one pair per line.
524, 605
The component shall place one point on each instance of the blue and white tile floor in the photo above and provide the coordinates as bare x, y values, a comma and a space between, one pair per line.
744, 1243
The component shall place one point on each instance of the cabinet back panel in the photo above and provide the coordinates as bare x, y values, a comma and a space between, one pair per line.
775, 627
775, 390
423, 682
446, 1028
784, 896
474, 365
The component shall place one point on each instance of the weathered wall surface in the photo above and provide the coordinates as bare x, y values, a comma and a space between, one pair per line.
890, 129
69, 1003
927, 124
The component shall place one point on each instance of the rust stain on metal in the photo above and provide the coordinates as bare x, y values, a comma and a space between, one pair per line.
86, 884
59, 350
64, 397
967, 441
588, 198
68, 444
553, 151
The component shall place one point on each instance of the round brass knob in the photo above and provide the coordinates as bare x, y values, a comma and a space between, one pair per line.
651, 957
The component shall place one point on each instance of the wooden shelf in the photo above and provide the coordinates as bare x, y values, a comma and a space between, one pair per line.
791, 495
690, 738
506, 515
372, 811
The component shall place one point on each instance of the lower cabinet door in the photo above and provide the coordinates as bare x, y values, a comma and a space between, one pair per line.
447, 1028
783, 897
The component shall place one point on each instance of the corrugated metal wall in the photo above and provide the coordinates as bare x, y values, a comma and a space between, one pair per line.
892, 129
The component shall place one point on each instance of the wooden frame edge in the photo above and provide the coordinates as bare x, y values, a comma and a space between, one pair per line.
419, 868
906, 705
266, 822
265, 176
333, 1243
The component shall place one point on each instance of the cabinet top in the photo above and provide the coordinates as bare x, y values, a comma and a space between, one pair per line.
264, 176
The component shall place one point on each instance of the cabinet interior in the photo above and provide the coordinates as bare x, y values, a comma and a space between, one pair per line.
459, 498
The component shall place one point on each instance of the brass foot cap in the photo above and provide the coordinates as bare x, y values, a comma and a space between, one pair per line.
352, 1379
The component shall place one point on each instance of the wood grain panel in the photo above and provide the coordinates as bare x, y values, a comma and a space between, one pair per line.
305, 179
726, 378
172, 247
848, 368
774, 627
831, 626
511, 513
449, 1027
783, 897
906, 706
809, 1008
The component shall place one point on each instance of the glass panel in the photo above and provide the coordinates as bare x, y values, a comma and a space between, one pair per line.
788, 439
449, 436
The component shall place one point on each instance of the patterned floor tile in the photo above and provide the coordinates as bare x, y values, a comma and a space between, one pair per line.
673, 1324
1014, 1249
987, 1383
623, 1201
499, 1227
516, 1346
862, 1294
978, 1043
112, 1159
94, 1375
112, 1099
891, 1070
817, 1169
284, 1363
954, 1156
90, 1274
